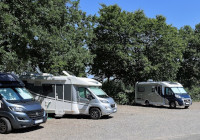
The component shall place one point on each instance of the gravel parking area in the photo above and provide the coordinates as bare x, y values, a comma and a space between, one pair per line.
130, 122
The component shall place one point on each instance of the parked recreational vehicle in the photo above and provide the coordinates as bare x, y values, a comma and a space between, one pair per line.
17, 107
162, 93
70, 95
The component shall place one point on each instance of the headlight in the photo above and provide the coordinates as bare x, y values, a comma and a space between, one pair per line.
104, 101
177, 96
17, 109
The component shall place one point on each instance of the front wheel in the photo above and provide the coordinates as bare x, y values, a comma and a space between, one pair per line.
172, 104
5, 126
186, 107
95, 113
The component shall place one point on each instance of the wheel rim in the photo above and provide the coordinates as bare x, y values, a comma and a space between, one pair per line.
2, 126
94, 114
172, 104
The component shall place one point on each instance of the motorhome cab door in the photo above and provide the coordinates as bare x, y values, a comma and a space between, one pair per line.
83, 100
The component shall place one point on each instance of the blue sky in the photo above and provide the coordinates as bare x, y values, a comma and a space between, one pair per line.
177, 12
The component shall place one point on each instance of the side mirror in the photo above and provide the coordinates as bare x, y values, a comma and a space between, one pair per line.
89, 97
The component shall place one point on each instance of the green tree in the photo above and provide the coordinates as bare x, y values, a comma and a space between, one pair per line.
116, 45
189, 73
131, 47
50, 34
163, 49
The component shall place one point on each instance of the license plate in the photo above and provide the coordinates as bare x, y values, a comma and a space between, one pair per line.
38, 121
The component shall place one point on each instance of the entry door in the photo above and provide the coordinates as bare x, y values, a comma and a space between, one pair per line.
158, 98
83, 102
60, 106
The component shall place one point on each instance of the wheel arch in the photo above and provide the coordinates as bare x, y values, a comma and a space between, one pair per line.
95, 107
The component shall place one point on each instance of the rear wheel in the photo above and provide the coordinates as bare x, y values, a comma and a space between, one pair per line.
172, 104
5, 126
147, 103
95, 113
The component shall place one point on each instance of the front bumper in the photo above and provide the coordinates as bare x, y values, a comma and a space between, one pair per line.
184, 102
22, 120
109, 109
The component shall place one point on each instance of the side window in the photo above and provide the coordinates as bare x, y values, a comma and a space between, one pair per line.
83, 92
153, 89
158, 90
168, 91
141, 89
48, 90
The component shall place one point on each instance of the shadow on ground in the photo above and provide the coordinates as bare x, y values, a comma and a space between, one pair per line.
25, 130
159, 107
52, 116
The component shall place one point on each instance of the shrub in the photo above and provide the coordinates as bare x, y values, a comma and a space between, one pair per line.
121, 93
194, 92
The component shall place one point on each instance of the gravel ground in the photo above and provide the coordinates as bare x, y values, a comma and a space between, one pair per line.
130, 122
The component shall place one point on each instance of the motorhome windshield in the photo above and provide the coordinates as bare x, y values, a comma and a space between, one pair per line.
99, 92
179, 90
15, 94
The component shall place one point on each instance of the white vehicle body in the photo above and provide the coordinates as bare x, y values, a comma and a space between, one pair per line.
69, 94
162, 93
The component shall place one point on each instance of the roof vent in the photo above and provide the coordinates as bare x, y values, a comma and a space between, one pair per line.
150, 80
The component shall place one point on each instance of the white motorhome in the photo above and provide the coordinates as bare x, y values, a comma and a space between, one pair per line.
162, 93
68, 94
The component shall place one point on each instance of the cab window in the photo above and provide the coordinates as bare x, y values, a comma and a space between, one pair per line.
168, 91
83, 92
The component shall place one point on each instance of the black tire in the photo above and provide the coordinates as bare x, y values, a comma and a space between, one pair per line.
95, 113
172, 104
5, 126
186, 107
147, 103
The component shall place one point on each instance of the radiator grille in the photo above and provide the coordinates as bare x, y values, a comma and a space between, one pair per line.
35, 114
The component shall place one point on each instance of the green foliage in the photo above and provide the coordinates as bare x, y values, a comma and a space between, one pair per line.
189, 73
119, 45
131, 47
122, 94
194, 92
43, 33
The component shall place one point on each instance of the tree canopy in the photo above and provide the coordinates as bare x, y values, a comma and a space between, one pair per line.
50, 34
133, 47
55, 35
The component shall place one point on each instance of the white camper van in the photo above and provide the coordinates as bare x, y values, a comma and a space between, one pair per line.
162, 93
70, 95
